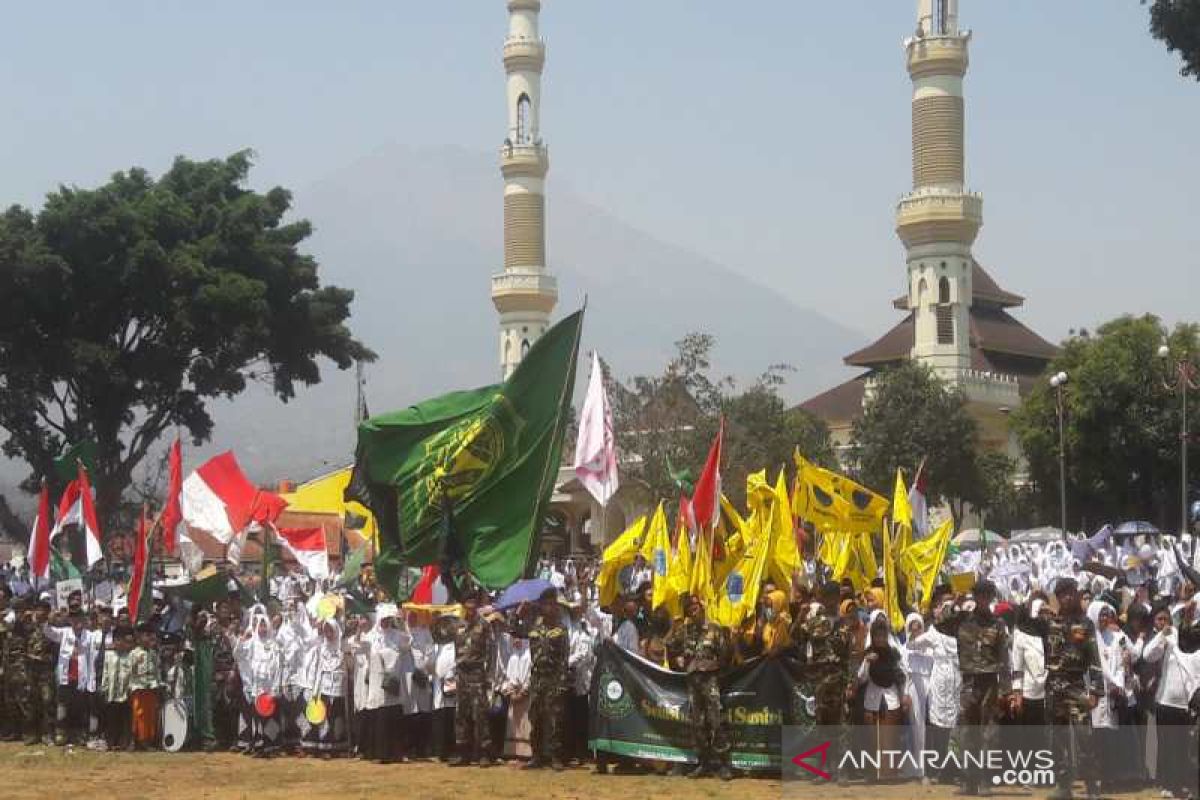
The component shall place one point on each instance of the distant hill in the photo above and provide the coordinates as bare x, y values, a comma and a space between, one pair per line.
418, 233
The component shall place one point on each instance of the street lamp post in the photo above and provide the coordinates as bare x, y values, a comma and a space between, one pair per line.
1058, 382
1181, 377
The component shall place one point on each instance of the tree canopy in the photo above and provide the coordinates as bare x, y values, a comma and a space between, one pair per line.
912, 416
125, 308
666, 423
1177, 24
1122, 423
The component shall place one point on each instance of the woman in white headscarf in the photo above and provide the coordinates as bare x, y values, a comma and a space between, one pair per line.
419, 708
945, 680
386, 693
1112, 746
517, 675
260, 664
918, 665
295, 637
324, 728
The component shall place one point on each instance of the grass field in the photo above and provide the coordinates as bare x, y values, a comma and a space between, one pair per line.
49, 772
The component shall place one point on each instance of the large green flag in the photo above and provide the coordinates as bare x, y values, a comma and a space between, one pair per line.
493, 452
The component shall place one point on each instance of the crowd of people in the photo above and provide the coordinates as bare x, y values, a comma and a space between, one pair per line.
1099, 648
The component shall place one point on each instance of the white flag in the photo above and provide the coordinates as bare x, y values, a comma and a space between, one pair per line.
595, 450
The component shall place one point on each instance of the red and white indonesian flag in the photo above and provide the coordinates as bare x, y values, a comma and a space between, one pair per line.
308, 547
595, 449
77, 507
219, 499
39, 537
430, 590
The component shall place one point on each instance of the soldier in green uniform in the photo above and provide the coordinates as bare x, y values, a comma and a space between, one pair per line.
6, 720
823, 646
38, 705
984, 661
473, 654
706, 650
549, 649
1074, 684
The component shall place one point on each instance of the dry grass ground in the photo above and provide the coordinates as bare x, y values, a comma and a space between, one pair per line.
29, 773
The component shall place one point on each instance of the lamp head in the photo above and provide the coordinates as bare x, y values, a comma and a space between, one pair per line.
1164, 351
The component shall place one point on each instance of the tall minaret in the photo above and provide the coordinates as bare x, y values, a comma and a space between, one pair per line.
939, 219
524, 293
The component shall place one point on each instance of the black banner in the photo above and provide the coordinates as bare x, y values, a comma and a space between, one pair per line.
641, 710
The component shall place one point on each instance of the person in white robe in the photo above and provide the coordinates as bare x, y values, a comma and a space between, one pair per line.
443, 671
419, 708
387, 690
517, 675
295, 637
358, 647
260, 664
945, 681
918, 666
324, 730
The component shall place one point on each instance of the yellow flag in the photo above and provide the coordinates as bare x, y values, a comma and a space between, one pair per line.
739, 591
865, 510
618, 555
922, 561
890, 588
815, 499
660, 545
728, 543
902, 514
831, 501
680, 572
785, 556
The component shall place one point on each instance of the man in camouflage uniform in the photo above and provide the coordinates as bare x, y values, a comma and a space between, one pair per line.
823, 646
12, 661
984, 661
5, 628
549, 649
706, 650
1074, 684
38, 707
473, 653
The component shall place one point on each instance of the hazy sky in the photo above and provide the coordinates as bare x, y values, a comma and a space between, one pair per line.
772, 136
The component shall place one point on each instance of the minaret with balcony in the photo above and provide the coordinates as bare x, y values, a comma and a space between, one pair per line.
939, 219
524, 293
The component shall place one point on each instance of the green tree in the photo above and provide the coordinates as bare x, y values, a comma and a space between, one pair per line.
1177, 24
124, 309
1122, 425
913, 416
1003, 504
669, 421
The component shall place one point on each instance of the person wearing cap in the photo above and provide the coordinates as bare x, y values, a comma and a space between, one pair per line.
472, 639
707, 650
114, 687
143, 688
823, 644
15, 670
74, 673
39, 706
550, 651
985, 661
1074, 685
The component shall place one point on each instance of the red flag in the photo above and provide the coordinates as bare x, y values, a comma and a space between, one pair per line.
218, 498
91, 524
172, 515
706, 500
39, 537
137, 581
307, 546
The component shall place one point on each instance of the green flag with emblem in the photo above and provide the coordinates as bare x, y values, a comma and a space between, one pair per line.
494, 453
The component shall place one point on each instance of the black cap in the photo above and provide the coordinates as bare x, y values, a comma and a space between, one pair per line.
984, 588
145, 627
